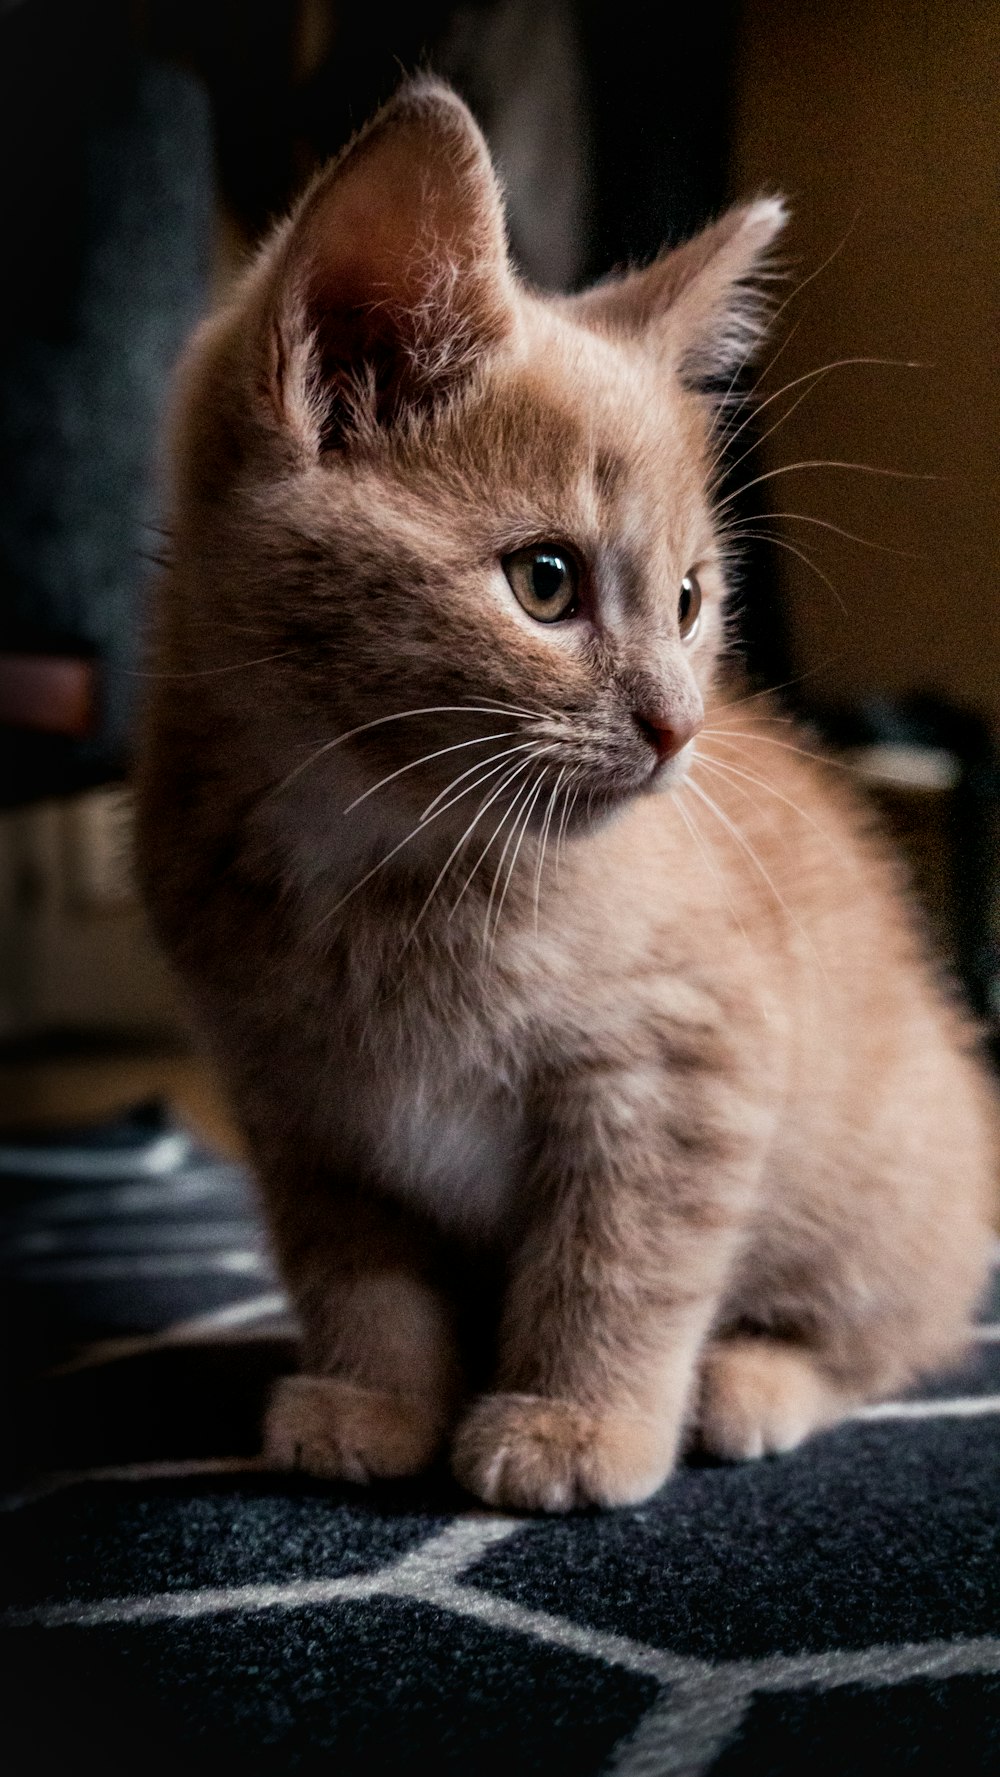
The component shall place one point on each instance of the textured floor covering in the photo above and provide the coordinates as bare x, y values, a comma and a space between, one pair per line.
170, 1607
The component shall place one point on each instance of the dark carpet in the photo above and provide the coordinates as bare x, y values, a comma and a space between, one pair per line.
169, 1606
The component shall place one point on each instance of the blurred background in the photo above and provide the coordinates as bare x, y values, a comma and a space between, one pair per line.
143, 149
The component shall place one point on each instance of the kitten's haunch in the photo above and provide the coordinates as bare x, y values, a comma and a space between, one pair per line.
600, 1095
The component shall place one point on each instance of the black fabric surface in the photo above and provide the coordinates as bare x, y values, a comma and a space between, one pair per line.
922, 1729
170, 1605
384, 1686
864, 1535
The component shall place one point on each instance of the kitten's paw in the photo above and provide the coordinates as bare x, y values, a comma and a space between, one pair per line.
524, 1452
341, 1431
760, 1396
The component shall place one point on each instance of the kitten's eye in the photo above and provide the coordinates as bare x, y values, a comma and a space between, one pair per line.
544, 579
689, 607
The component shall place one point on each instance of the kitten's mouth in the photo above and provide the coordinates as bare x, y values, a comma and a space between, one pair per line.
669, 774
607, 799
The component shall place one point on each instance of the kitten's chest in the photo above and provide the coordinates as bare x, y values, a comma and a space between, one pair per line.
454, 1146
448, 1142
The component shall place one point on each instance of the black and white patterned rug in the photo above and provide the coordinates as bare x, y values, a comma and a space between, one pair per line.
168, 1605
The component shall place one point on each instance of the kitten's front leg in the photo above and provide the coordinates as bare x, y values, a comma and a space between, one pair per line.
380, 1383
639, 1196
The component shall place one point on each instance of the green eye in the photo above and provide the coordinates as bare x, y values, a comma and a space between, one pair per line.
689, 607
544, 579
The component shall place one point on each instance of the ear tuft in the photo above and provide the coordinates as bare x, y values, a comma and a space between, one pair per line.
700, 305
393, 278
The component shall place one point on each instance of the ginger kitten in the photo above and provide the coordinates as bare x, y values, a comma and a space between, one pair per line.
598, 1091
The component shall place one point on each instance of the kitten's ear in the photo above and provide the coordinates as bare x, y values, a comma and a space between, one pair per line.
700, 304
393, 279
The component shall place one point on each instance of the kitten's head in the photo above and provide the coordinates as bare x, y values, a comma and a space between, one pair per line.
467, 517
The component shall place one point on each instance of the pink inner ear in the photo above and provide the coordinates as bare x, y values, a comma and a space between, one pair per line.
697, 303
400, 255
376, 234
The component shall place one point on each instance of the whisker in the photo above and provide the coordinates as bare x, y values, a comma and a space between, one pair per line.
809, 376
211, 672
852, 536
813, 275
544, 838
516, 808
793, 549
786, 342
527, 746
412, 834
567, 816
525, 765
803, 284
425, 759
734, 735
513, 709
456, 849
727, 435
437, 709
825, 463
737, 703
745, 846
687, 816
531, 801
752, 777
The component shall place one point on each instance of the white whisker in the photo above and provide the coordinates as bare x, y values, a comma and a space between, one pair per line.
734, 735
825, 524
437, 709
779, 311
456, 849
414, 832
793, 549
503, 757
526, 746
745, 846
813, 378
515, 811
737, 703
687, 816
543, 840
751, 777
425, 759
567, 816
823, 463
525, 765
531, 801
212, 672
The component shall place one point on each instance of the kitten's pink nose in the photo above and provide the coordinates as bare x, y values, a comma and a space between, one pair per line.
668, 735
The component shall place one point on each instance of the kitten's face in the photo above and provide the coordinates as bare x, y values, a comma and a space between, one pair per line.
543, 544
490, 538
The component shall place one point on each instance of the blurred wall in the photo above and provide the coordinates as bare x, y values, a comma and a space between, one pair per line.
882, 124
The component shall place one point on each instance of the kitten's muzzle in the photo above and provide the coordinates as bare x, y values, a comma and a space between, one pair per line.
668, 735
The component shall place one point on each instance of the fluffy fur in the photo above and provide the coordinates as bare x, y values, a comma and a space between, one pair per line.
645, 1122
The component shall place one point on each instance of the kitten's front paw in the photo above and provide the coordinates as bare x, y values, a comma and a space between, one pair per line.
525, 1452
341, 1431
760, 1396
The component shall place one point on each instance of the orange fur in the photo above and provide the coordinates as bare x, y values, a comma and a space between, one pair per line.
654, 1125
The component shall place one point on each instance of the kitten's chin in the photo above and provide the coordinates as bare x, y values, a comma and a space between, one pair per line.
604, 802
670, 774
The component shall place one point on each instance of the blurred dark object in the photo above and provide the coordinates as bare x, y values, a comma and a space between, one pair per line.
47, 694
118, 1228
106, 207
